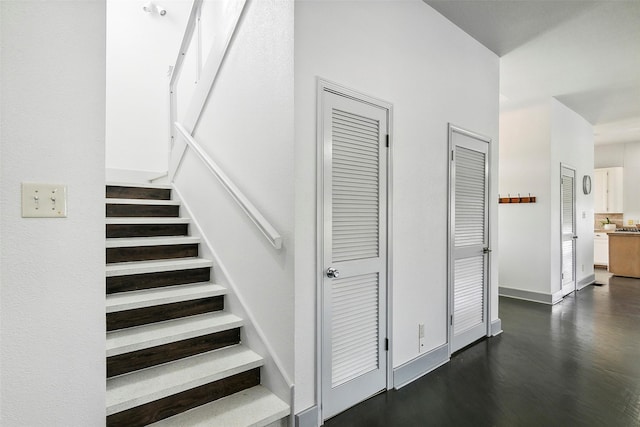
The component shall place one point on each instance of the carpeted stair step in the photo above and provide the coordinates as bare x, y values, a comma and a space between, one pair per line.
156, 296
255, 407
132, 276
149, 395
152, 344
136, 308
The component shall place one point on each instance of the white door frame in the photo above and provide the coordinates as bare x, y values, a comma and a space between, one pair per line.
450, 231
322, 86
564, 166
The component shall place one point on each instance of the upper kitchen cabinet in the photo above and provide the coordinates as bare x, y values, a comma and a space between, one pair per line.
607, 190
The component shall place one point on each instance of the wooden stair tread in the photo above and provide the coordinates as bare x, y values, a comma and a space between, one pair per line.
154, 334
144, 220
155, 296
110, 201
146, 385
155, 266
130, 242
255, 406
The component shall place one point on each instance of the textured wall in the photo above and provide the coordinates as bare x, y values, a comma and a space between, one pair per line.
52, 369
247, 129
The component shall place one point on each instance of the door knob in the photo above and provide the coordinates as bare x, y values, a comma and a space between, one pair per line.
486, 250
333, 273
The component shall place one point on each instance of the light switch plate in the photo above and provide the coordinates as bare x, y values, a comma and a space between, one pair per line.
44, 200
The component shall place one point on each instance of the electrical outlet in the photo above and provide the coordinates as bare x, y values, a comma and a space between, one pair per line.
44, 200
420, 337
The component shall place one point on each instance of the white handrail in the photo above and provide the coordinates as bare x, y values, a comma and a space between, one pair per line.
215, 56
209, 72
252, 212
177, 67
186, 41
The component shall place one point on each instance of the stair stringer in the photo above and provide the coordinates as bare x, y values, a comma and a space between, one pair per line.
272, 374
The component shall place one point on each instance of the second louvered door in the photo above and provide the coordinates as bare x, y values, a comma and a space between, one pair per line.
354, 244
568, 226
470, 244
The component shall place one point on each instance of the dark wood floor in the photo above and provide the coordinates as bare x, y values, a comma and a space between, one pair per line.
576, 363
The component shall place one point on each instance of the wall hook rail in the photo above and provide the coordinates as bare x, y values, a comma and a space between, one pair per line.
519, 199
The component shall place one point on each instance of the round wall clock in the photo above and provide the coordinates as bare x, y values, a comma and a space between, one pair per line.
586, 184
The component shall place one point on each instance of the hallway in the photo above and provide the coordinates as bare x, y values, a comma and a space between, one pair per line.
576, 363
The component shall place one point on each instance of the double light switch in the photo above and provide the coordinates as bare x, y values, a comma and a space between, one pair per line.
44, 200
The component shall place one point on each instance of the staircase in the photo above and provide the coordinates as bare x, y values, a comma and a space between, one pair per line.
174, 356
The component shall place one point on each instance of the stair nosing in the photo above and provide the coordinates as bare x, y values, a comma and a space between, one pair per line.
132, 242
250, 402
141, 202
130, 300
169, 331
155, 266
154, 383
139, 185
146, 220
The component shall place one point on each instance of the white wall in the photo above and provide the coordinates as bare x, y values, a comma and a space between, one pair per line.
247, 129
628, 156
525, 168
433, 73
140, 48
535, 139
571, 145
52, 362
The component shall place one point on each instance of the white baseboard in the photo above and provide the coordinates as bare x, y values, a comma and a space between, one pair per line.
421, 365
558, 296
586, 281
530, 295
496, 327
307, 418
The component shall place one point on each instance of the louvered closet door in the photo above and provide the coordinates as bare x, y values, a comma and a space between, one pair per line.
470, 252
354, 243
568, 227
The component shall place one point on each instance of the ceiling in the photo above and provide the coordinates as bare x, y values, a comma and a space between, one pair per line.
584, 53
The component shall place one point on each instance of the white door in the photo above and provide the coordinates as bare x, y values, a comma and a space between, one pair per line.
354, 251
568, 229
469, 237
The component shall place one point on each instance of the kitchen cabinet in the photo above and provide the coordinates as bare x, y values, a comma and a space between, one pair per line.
607, 190
624, 254
601, 249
